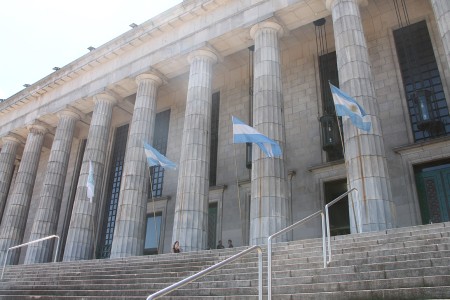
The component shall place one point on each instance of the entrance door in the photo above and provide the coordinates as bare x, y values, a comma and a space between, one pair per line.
212, 225
338, 212
433, 189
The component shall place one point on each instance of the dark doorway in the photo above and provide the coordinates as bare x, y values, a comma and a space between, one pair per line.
433, 189
339, 215
212, 225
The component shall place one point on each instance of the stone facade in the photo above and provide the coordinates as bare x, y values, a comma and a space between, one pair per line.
175, 62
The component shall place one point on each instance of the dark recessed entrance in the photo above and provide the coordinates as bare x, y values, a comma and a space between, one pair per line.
339, 215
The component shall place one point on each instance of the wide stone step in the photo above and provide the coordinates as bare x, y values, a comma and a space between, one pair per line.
408, 282
441, 292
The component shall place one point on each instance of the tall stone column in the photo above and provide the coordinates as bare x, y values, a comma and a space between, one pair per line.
364, 151
191, 211
7, 158
16, 213
46, 218
269, 198
129, 232
81, 235
442, 13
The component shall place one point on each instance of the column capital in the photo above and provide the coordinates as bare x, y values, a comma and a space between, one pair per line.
13, 137
153, 76
269, 25
105, 97
38, 128
329, 3
70, 112
203, 53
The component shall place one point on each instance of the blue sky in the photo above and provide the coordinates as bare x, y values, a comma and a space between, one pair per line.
37, 35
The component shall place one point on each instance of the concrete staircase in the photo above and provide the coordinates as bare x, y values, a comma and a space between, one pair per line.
404, 263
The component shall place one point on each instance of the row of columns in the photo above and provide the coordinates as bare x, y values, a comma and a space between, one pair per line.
269, 190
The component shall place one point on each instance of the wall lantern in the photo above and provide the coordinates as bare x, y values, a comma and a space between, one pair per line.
330, 133
427, 112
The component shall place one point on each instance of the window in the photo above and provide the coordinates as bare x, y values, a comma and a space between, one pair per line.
214, 139
152, 233
159, 143
429, 118
109, 222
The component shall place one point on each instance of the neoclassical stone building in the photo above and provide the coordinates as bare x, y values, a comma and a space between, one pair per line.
176, 80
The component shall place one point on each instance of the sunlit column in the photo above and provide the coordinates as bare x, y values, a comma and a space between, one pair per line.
269, 198
46, 218
81, 235
7, 158
364, 151
191, 210
16, 213
129, 232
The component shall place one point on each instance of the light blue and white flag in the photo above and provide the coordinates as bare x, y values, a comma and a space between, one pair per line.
347, 106
154, 158
90, 184
242, 133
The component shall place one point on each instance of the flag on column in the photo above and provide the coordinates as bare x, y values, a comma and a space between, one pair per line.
154, 158
90, 184
347, 106
242, 133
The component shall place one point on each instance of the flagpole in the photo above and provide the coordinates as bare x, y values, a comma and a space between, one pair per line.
154, 210
91, 201
361, 172
340, 134
177, 238
346, 166
238, 193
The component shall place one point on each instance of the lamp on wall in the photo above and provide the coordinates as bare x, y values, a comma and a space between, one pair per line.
330, 136
427, 112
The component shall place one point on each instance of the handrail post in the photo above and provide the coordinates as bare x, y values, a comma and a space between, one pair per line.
29, 243
4, 263
269, 268
327, 217
324, 248
260, 273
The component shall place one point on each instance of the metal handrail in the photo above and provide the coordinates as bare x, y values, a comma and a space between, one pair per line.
205, 272
269, 247
32, 242
327, 217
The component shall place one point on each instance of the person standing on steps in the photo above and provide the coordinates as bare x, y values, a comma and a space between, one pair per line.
176, 247
220, 245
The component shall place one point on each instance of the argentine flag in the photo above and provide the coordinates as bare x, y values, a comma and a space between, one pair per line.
242, 133
154, 158
347, 106
90, 184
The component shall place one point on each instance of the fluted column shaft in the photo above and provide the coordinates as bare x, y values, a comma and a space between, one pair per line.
15, 216
129, 232
81, 235
269, 199
7, 159
46, 218
191, 210
441, 10
364, 151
